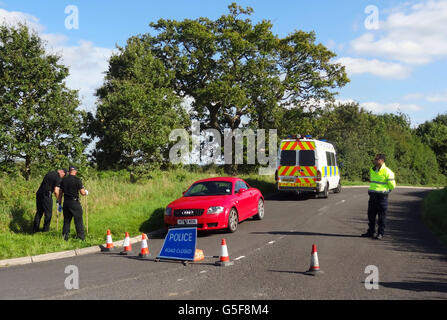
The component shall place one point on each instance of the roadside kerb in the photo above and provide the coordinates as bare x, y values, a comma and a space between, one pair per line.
66, 254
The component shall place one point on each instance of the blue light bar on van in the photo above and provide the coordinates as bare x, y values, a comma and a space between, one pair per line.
294, 136
324, 140
308, 136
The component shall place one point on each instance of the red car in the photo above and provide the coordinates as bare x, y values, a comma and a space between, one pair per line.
216, 203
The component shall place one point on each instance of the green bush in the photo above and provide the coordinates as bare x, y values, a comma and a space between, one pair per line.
434, 213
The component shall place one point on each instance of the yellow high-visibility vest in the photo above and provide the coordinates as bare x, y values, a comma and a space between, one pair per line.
382, 181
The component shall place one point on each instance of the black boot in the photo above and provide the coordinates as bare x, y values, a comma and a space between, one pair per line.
368, 234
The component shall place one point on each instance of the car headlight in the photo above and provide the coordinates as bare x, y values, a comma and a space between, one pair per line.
215, 210
168, 211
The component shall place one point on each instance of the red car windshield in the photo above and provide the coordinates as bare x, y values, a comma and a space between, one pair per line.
209, 188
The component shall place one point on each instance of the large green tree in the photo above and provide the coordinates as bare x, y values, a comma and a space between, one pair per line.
232, 68
136, 111
240, 73
39, 119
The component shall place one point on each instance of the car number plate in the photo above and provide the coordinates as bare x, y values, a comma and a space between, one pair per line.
187, 221
288, 179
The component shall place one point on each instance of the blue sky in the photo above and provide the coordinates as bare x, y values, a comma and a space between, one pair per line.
399, 64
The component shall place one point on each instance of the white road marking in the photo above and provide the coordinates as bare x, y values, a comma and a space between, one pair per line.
340, 202
272, 242
238, 258
179, 279
203, 271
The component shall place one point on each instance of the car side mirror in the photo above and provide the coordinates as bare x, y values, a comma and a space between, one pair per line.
183, 193
242, 190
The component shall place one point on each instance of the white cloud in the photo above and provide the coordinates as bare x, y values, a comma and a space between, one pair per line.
413, 96
16, 17
390, 107
87, 66
429, 97
376, 67
416, 37
442, 97
86, 61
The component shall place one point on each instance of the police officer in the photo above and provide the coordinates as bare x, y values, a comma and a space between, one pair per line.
381, 184
71, 186
44, 201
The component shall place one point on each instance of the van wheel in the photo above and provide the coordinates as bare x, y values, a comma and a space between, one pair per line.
338, 189
325, 192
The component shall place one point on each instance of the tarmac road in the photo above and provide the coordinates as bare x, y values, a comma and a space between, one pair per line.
270, 258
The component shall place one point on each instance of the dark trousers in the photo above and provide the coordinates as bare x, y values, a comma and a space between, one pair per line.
73, 209
44, 204
377, 206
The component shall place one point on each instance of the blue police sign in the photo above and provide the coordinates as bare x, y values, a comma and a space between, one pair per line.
179, 244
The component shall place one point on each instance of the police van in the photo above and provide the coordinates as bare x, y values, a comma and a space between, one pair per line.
307, 165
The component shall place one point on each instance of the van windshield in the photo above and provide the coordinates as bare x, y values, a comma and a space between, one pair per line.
307, 158
288, 158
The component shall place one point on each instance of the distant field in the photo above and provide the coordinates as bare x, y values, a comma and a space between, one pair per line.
113, 203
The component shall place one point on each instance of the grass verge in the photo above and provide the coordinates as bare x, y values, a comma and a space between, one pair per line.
113, 203
434, 213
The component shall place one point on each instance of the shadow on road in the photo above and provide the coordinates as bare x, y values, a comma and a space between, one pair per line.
406, 232
290, 271
303, 233
407, 229
289, 196
418, 286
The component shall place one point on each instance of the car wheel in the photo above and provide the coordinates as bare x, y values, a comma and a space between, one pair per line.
233, 221
261, 210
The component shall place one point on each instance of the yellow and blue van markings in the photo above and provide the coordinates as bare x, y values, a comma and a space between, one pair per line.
330, 171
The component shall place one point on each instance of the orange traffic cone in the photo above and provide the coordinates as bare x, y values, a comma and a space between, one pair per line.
144, 253
109, 242
314, 265
127, 246
224, 257
198, 255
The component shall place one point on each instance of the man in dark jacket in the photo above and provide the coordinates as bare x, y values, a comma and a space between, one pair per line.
71, 186
44, 201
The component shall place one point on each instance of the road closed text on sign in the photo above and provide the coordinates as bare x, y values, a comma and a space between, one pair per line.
179, 244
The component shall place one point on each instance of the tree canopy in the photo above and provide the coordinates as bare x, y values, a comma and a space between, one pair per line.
233, 68
434, 134
359, 135
136, 110
39, 120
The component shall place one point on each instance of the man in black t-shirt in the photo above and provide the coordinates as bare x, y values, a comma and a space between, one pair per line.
70, 188
44, 202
